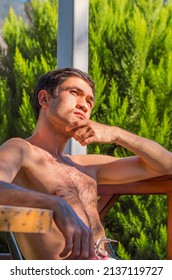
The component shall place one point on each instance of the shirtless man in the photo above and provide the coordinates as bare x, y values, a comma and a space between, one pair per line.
35, 172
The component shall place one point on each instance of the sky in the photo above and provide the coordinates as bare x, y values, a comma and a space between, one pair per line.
4, 7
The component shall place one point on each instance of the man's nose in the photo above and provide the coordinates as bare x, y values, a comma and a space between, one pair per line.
82, 105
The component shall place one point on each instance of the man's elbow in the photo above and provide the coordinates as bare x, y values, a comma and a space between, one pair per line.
167, 166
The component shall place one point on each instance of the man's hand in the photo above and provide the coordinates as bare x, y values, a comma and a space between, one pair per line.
78, 237
87, 132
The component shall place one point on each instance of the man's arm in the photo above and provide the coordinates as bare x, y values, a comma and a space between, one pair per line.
151, 159
78, 237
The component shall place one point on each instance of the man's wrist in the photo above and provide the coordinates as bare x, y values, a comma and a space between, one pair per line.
115, 135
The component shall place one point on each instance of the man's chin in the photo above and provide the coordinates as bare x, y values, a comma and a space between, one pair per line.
79, 117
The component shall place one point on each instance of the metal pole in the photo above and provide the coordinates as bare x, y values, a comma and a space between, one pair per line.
72, 45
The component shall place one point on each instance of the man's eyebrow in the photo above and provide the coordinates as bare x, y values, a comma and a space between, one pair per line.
78, 89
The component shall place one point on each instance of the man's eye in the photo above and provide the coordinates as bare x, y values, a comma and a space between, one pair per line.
73, 92
90, 104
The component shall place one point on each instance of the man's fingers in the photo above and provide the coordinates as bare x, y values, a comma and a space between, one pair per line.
82, 134
77, 241
87, 132
87, 246
75, 125
83, 248
77, 235
76, 250
68, 246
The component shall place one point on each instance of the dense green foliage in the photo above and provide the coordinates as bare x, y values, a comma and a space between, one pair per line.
18, 7
130, 58
32, 49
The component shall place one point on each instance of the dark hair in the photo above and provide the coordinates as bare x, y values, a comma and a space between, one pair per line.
51, 80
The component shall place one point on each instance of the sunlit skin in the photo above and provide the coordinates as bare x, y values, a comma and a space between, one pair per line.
70, 182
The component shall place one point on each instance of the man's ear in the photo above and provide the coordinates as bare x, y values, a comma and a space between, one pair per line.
43, 98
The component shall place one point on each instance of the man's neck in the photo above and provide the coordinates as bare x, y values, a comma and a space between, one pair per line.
49, 140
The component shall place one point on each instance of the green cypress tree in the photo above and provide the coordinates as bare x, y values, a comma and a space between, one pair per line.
130, 47
31, 51
4, 110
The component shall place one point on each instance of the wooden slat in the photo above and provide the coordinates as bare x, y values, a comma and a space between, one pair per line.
142, 187
24, 219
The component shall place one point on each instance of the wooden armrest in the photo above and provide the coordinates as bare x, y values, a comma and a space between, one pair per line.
25, 219
158, 185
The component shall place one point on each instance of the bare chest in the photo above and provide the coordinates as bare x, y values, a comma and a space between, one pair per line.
74, 185
72, 182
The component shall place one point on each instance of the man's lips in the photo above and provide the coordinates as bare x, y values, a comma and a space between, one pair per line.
82, 116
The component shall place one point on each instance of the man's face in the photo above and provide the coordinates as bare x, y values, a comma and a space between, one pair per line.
72, 100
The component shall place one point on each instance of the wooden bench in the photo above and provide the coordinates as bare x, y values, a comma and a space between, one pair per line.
22, 219
109, 194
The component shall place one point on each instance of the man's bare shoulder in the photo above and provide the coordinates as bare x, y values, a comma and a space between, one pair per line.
16, 143
23, 148
13, 156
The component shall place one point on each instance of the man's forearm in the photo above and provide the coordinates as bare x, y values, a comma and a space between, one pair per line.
75, 232
14, 195
150, 152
